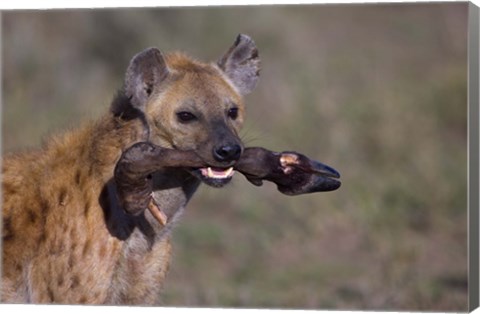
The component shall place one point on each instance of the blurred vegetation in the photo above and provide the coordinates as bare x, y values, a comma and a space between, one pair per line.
377, 91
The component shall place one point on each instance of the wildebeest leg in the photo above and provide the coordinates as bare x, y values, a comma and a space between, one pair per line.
293, 173
132, 174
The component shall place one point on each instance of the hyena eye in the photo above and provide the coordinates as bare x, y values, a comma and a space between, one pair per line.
185, 116
233, 113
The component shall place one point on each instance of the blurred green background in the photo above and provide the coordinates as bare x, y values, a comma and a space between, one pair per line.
377, 91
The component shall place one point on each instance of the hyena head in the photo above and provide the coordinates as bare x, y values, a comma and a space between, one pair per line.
190, 105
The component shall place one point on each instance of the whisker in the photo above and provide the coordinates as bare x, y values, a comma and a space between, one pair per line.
249, 135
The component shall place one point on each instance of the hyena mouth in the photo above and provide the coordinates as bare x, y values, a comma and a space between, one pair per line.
217, 173
214, 176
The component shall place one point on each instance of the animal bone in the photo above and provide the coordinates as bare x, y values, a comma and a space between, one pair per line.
292, 172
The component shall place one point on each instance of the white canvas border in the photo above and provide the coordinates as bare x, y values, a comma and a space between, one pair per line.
54, 4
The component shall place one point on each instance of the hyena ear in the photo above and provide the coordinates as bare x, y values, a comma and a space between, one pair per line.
145, 71
242, 64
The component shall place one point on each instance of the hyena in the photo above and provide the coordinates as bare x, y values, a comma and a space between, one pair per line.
87, 218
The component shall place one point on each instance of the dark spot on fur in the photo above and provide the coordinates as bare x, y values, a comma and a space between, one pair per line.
91, 169
78, 177
60, 280
86, 209
102, 252
7, 224
32, 216
44, 208
86, 248
8, 233
75, 282
83, 299
70, 261
8, 189
43, 237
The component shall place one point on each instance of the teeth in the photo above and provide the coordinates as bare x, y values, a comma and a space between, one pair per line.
218, 174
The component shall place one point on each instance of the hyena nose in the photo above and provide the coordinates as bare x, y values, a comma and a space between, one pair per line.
227, 153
